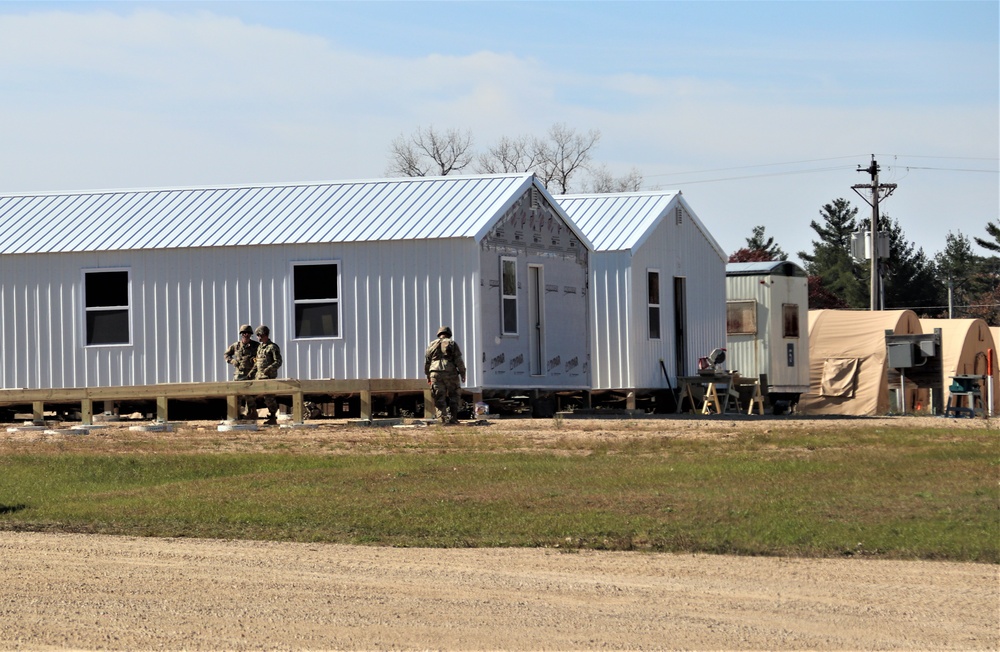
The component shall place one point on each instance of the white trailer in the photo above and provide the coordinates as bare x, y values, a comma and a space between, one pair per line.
767, 331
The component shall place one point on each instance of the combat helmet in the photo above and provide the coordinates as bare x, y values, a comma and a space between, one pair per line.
444, 330
246, 328
263, 330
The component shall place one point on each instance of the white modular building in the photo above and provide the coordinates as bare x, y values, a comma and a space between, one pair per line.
767, 333
140, 287
657, 288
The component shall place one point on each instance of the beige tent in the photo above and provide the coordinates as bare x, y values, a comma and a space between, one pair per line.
847, 360
965, 345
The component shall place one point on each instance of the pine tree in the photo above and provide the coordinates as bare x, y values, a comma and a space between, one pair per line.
758, 243
993, 230
909, 276
959, 267
831, 258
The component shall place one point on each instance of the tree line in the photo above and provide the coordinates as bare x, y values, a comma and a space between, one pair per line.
563, 158
956, 281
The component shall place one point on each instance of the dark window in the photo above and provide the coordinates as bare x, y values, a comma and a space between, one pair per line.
316, 299
653, 297
508, 291
741, 317
107, 307
790, 319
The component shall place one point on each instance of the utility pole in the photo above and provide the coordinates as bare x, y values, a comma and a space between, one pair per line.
873, 248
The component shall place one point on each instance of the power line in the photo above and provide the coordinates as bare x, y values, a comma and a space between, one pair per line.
896, 164
953, 158
914, 167
761, 165
757, 176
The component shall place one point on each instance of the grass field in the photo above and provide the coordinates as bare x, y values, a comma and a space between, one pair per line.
902, 492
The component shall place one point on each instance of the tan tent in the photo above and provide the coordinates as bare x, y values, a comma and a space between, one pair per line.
847, 360
965, 344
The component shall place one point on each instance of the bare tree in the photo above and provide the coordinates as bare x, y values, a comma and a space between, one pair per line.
521, 154
563, 154
427, 152
601, 180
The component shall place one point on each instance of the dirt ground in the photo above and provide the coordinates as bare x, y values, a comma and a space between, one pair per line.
65, 591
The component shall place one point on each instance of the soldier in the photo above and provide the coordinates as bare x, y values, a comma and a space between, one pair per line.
241, 355
443, 366
266, 365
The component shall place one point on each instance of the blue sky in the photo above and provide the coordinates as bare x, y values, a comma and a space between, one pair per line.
759, 112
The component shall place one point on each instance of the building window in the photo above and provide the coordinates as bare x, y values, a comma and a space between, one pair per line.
741, 317
508, 298
316, 299
790, 319
106, 301
653, 303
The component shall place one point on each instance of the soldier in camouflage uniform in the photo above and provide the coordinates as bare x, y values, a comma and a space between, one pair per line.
241, 354
266, 366
443, 366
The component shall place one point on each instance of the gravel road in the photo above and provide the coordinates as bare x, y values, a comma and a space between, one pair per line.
66, 591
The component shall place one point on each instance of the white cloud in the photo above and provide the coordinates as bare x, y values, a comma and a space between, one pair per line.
147, 98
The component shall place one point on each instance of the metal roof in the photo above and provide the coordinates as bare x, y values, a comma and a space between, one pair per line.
623, 221
343, 211
765, 268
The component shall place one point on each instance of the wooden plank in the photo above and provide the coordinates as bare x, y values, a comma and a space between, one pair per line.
429, 412
366, 405
87, 412
232, 407
161, 409
297, 410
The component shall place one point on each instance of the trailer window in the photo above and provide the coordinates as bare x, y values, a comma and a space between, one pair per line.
106, 300
508, 300
316, 299
653, 303
790, 319
741, 317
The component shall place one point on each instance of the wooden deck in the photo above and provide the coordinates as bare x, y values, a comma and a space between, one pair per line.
231, 391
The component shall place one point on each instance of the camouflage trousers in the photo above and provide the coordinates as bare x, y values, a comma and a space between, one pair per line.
247, 403
446, 390
269, 401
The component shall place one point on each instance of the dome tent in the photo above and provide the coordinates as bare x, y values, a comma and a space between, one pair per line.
965, 345
848, 370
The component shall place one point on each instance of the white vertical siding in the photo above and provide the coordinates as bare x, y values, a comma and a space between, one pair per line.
679, 250
611, 325
187, 305
624, 354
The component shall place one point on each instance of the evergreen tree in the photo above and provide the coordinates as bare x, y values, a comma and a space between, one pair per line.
988, 308
831, 258
993, 230
961, 269
766, 246
908, 275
